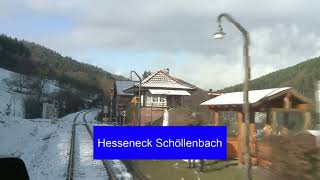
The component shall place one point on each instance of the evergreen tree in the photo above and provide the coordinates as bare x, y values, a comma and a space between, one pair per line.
146, 74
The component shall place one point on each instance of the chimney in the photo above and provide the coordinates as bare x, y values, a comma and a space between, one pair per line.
167, 70
213, 94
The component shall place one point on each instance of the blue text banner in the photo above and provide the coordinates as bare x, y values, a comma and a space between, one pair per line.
160, 142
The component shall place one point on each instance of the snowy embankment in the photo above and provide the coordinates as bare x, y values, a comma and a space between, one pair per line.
41, 143
11, 103
117, 166
44, 144
7, 97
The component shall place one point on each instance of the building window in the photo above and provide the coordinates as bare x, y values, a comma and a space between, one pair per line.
149, 98
121, 106
163, 99
155, 99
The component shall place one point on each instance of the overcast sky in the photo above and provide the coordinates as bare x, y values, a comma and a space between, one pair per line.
124, 35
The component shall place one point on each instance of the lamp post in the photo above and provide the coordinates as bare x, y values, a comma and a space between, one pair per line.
219, 35
111, 105
140, 80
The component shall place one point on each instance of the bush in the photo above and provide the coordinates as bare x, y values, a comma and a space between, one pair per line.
72, 101
295, 157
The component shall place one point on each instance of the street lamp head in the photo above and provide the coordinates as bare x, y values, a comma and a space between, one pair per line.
220, 34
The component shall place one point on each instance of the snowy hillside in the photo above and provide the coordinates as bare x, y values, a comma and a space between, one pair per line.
44, 144
7, 98
15, 100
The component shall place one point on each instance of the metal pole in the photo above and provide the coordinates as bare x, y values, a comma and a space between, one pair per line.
317, 95
111, 108
246, 108
140, 80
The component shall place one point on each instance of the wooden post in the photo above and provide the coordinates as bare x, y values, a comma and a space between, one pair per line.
287, 104
274, 122
306, 119
193, 163
151, 112
267, 130
268, 118
252, 139
287, 101
133, 115
285, 129
252, 129
216, 118
202, 165
212, 117
240, 128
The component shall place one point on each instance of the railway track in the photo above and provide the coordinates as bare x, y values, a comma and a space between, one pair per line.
75, 169
106, 164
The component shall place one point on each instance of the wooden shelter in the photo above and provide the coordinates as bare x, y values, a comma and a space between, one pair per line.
269, 101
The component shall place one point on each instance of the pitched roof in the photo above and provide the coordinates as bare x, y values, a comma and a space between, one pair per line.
121, 85
169, 92
236, 98
162, 79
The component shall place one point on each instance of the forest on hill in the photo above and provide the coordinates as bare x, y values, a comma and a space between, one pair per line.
32, 59
302, 77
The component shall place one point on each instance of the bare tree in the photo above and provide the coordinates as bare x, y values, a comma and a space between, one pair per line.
38, 86
17, 83
26, 84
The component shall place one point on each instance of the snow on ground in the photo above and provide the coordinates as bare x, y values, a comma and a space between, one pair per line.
42, 144
118, 167
6, 97
4, 73
52, 87
84, 165
16, 99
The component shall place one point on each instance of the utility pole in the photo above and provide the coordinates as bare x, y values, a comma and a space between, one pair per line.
317, 95
111, 108
139, 94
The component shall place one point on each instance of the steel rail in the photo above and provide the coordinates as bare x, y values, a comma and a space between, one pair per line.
105, 163
70, 168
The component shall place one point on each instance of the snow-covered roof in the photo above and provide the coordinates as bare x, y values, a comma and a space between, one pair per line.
315, 132
162, 79
237, 97
169, 92
121, 85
